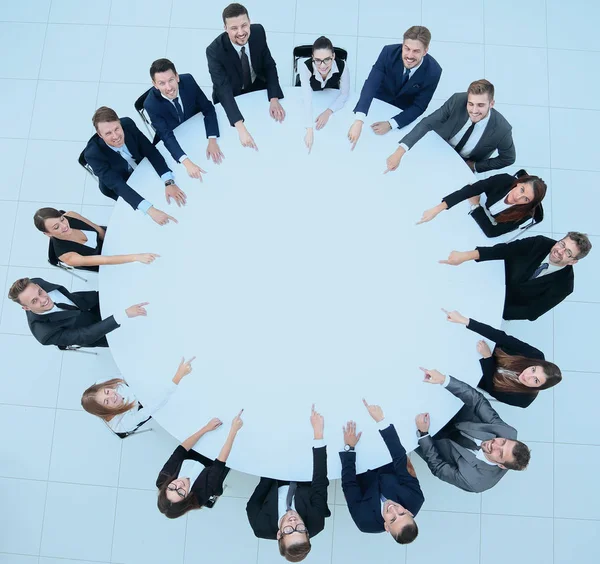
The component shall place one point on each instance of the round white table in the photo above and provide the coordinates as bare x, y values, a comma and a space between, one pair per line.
299, 279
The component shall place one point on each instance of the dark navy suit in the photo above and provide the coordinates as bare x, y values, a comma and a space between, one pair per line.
385, 80
164, 117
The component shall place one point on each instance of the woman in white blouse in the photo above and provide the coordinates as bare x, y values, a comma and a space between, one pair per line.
115, 404
321, 71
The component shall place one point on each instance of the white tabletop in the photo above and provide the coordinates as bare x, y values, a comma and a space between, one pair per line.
299, 278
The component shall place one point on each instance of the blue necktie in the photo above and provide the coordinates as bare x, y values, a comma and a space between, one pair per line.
539, 270
405, 77
178, 108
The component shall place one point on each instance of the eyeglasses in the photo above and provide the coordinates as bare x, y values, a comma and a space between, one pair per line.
180, 491
297, 529
319, 62
563, 247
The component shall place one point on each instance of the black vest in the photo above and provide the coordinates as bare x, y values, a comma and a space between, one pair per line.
332, 82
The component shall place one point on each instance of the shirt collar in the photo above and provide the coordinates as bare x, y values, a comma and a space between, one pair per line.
482, 124
415, 69
169, 99
334, 68
479, 454
238, 48
551, 267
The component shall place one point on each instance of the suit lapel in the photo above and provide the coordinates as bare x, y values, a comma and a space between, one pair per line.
488, 132
233, 55
414, 80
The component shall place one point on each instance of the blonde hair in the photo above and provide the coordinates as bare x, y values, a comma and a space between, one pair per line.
89, 403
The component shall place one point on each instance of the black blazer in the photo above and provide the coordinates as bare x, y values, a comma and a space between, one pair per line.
363, 492
512, 346
225, 70
495, 188
61, 247
83, 327
525, 298
310, 500
112, 169
164, 116
210, 481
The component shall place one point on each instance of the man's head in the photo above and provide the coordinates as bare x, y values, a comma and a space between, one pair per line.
399, 522
237, 23
108, 126
30, 296
571, 248
165, 78
506, 453
480, 99
292, 537
415, 45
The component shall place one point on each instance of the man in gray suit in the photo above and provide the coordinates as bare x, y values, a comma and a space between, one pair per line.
471, 125
476, 448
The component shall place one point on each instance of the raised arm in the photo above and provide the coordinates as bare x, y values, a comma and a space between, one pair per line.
82, 336
474, 399
236, 425
222, 85
429, 123
372, 83
503, 340
75, 259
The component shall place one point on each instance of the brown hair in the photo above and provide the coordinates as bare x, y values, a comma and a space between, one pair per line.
407, 534
174, 510
103, 115
89, 403
518, 363
583, 243
233, 11
18, 288
521, 455
418, 33
40, 217
481, 86
517, 213
296, 552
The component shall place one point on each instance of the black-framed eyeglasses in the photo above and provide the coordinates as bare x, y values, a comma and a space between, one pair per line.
322, 61
563, 246
180, 491
297, 529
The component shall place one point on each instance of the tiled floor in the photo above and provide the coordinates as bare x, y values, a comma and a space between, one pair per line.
72, 493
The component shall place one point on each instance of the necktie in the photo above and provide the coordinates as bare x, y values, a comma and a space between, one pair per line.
465, 138
66, 306
465, 442
405, 77
539, 270
131, 164
246, 76
178, 108
291, 491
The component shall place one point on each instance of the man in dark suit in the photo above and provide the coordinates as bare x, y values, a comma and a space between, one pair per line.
475, 448
59, 317
239, 61
538, 271
174, 99
405, 76
115, 151
387, 498
471, 125
293, 512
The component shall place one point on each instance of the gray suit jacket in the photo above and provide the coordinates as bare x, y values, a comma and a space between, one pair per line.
450, 461
452, 116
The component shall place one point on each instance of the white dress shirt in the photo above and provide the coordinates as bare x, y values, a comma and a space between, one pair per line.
473, 139
499, 207
238, 48
92, 239
59, 297
190, 469
551, 267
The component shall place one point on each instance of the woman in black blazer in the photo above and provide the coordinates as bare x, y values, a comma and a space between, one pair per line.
515, 372
77, 241
183, 484
509, 203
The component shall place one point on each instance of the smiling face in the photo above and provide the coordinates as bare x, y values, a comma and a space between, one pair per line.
521, 194
564, 252
395, 517
478, 106
413, 52
111, 133
167, 83
108, 397
57, 227
238, 29
499, 451
323, 59
35, 299
291, 519
533, 377
180, 486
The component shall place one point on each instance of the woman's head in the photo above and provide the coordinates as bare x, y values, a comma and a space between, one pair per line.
532, 374
104, 401
174, 498
525, 195
52, 222
323, 54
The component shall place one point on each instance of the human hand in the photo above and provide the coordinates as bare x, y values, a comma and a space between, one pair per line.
374, 411
422, 421
317, 422
173, 191
433, 376
276, 110
160, 217
213, 424
429, 214
246, 139
350, 436
213, 151
381, 127
456, 317
193, 171
323, 118
137, 310
183, 369
354, 133
237, 422
483, 349
146, 258
455, 258
393, 161
474, 200
309, 138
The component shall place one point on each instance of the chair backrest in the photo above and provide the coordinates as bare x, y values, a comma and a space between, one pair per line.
305, 51
139, 106
52, 258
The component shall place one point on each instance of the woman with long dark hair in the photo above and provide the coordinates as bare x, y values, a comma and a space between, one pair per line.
514, 372
509, 203
190, 480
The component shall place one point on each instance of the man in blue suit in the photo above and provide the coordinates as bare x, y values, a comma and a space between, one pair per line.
405, 76
387, 498
174, 99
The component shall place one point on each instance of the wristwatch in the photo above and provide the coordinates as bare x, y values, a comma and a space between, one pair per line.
169, 182
348, 448
422, 433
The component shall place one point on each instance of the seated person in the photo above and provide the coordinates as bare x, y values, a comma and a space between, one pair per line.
475, 448
174, 99
239, 61
293, 512
509, 203
405, 76
115, 151
471, 125
59, 317
515, 373
114, 403
189, 480
387, 498
320, 72
76, 241
538, 271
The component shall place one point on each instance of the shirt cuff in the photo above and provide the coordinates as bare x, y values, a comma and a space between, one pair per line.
182, 158
422, 437
212, 136
317, 443
446, 382
392, 123
144, 206
361, 116
383, 424
120, 317
167, 176
404, 146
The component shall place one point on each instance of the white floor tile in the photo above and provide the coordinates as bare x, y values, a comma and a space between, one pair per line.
578, 126
21, 530
45, 560
538, 333
515, 22
281, 46
84, 451
460, 21
273, 16
145, 13
576, 349
242, 485
189, 13
337, 17
91, 193
6, 230
21, 46
531, 534
141, 532
18, 559
578, 64
100, 215
562, 16
78, 521
586, 281
572, 212
33, 11
577, 389
382, 18
75, 12
368, 49
19, 99
12, 158
576, 541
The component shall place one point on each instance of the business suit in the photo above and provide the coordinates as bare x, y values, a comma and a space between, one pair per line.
445, 454
525, 298
310, 501
225, 70
448, 120
385, 83
113, 171
363, 492
164, 117
512, 346
83, 327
